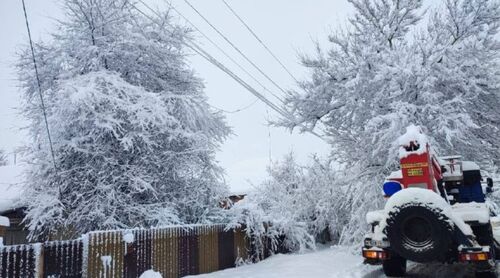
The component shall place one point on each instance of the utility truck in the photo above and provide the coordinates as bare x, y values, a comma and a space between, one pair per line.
436, 211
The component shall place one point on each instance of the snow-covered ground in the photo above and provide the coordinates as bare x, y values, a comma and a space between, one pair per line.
334, 262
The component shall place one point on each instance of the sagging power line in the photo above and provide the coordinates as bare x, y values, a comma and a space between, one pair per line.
200, 51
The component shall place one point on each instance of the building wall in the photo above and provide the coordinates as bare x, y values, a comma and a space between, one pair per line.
15, 233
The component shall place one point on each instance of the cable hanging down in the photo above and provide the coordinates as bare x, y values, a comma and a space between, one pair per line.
197, 49
42, 103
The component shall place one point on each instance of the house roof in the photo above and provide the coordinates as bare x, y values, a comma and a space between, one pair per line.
12, 184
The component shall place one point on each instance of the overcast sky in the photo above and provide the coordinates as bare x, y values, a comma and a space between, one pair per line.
288, 27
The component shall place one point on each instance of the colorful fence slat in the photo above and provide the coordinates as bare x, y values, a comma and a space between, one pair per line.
173, 251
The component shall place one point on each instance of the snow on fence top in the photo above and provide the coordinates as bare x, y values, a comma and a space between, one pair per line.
413, 134
186, 227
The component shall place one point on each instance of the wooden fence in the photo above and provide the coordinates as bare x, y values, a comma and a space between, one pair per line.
174, 252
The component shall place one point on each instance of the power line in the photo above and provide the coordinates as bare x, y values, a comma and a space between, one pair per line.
238, 50
219, 48
260, 41
42, 103
197, 49
239, 109
212, 60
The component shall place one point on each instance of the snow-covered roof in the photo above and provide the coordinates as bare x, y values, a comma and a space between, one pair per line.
11, 186
4, 221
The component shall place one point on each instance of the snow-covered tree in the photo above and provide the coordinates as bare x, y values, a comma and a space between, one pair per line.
276, 208
134, 137
394, 66
296, 203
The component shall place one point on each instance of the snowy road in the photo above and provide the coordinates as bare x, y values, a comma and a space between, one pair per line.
334, 262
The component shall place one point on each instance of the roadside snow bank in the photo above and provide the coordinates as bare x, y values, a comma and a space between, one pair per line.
426, 198
335, 262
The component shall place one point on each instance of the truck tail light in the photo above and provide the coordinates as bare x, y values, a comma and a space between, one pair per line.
474, 256
376, 254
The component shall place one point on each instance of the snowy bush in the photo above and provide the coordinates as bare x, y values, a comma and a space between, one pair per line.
392, 67
293, 207
134, 138
298, 205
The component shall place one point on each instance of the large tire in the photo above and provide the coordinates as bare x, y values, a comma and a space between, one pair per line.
395, 266
419, 233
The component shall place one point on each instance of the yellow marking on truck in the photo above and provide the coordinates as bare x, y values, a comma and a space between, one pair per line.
415, 172
414, 165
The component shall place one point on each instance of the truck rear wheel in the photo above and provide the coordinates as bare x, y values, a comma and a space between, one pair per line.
419, 233
395, 266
